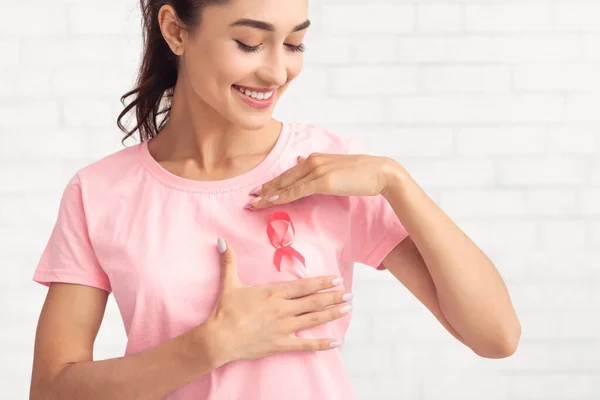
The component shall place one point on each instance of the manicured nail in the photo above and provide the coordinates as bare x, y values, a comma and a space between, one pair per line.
347, 297
221, 245
253, 201
256, 190
333, 345
345, 309
337, 281
272, 198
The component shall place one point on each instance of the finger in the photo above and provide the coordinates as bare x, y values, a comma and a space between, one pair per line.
284, 179
288, 177
228, 259
318, 301
300, 344
306, 286
303, 188
317, 318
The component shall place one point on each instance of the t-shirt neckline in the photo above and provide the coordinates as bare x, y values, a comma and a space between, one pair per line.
238, 182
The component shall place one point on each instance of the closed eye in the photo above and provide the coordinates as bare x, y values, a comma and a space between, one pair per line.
255, 49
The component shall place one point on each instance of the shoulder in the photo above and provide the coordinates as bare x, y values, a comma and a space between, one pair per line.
312, 138
103, 176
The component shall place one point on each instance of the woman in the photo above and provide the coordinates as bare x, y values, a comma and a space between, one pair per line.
293, 206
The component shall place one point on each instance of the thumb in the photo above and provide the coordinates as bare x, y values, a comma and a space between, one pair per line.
229, 272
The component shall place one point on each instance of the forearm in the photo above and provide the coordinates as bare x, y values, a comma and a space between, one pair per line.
149, 374
470, 291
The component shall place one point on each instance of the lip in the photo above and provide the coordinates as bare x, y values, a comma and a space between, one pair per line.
257, 89
255, 103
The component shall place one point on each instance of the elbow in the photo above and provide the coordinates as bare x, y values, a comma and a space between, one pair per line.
505, 346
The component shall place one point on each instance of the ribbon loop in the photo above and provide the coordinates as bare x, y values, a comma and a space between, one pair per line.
282, 240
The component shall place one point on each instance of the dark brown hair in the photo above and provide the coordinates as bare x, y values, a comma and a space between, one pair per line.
158, 71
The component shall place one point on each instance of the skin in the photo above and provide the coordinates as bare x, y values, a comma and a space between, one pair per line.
233, 139
213, 135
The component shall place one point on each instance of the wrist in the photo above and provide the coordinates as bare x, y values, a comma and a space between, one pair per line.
209, 344
394, 175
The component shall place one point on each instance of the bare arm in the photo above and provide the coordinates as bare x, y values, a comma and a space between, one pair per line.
469, 291
63, 366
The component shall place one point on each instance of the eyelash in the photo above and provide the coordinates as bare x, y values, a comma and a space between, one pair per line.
256, 49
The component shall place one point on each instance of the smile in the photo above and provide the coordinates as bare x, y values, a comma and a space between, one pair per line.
254, 94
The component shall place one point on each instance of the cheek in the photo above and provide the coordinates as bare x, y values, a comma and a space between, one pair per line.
216, 67
295, 67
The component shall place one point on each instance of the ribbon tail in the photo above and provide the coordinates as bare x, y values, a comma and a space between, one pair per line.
277, 259
294, 253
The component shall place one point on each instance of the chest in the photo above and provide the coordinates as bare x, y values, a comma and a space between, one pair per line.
166, 256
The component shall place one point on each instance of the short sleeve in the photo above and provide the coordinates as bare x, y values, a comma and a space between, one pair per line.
68, 256
374, 227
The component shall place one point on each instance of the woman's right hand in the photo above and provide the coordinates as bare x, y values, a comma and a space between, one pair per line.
250, 322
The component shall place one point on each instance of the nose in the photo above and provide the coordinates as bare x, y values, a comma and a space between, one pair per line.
274, 69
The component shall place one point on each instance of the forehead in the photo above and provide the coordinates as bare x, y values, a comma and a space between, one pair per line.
283, 14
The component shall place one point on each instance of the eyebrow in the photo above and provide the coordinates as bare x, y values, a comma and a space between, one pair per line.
266, 26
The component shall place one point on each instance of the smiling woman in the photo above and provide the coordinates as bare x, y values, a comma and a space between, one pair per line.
219, 48
229, 238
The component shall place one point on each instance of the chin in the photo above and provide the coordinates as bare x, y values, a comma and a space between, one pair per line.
252, 123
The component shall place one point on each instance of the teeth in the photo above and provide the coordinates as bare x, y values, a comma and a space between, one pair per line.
255, 95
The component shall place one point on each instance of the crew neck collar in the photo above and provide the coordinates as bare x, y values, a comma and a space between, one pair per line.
238, 182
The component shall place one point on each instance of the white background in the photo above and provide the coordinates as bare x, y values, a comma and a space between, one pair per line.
493, 107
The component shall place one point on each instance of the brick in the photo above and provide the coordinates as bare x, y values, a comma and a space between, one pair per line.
85, 114
502, 49
461, 385
482, 202
508, 17
74, 81
439, 18
25, 82
478, 109
577, 16
555, 77
19, 114
440, 79
373, 80
383, 18
456, 173
501, 141
66, 52
574, 139
42, 20
104, 19
583, 108
555, 386
374, 49
541, 171
591, 47
328, 50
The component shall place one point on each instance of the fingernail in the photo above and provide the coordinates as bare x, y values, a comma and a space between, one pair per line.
337, 281
253, 201
221, 245
333, 345
256, 190
347, 297
272, 198
346, 309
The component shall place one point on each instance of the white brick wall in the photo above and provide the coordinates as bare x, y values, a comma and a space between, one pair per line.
492, 105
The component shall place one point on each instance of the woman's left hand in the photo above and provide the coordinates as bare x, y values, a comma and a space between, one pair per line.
322, 173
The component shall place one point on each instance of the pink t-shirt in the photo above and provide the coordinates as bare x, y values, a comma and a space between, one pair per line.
128, 226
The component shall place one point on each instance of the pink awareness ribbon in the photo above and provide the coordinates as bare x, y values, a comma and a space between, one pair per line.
282, 241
